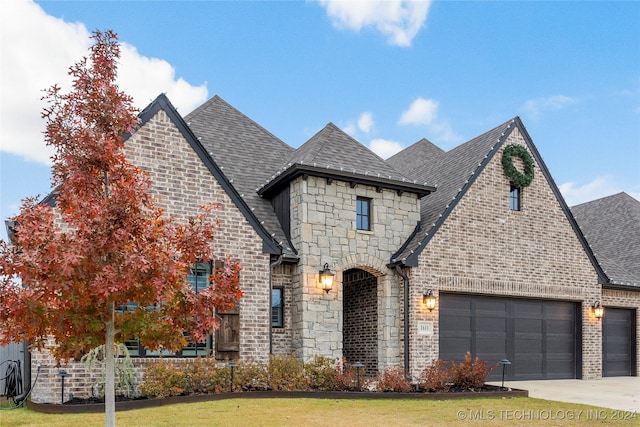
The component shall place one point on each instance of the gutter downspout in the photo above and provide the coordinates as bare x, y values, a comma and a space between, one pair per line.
273, 265
405, 278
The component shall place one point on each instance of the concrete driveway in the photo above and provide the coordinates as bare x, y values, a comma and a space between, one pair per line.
622, 393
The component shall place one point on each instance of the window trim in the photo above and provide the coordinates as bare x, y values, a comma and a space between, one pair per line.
279, 307
515, 198
361, 215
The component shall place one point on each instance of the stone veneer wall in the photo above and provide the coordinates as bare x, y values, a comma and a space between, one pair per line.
618, 298
182, 184
485, 248
323, 229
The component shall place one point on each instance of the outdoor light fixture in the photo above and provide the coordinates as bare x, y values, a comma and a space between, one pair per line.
504, 363
429, 299
326, 278
598, 309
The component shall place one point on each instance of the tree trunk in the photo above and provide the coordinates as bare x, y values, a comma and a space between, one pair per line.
109, 360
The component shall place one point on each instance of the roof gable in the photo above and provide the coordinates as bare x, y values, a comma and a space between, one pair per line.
455, 172
246, 154
611, 225
270, 245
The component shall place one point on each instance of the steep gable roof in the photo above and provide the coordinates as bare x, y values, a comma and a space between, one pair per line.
455, 171
417, 158
333, 154
246, 154
162, 103
270, 245
611, 225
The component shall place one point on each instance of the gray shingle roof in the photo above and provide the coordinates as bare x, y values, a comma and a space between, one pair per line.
331, 146
334, 154
245, 152
611, 225
451, 173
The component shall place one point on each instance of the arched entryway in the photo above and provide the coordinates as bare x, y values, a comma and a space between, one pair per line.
360, 314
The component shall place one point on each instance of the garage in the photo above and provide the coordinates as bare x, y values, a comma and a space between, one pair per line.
618, 342
541, 338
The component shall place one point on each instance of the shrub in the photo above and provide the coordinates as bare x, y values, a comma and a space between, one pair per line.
125, 382
286, 373
470, 374
437, 377
163, 379
205, 375
321, 373
250, 375
393, 379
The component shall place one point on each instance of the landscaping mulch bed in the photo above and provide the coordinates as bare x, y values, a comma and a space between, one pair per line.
93, 405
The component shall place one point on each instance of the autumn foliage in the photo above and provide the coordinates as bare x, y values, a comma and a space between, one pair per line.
105, 242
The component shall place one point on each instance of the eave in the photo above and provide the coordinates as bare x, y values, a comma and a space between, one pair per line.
353, 178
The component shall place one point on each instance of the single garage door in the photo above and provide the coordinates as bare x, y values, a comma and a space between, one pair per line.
539, 337
618, 342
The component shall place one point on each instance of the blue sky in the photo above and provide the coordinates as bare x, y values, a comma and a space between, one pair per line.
389, 73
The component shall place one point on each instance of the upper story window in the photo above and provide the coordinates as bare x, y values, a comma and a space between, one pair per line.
515, 198
277, 308
363, 213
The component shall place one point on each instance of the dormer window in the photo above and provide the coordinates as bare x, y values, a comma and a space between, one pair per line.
363, 213
515, 198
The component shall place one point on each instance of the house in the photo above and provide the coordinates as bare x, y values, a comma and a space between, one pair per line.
432, 253
612, 227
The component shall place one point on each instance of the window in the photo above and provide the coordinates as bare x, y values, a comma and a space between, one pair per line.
277, 308
363, 213
198, 278
515, 201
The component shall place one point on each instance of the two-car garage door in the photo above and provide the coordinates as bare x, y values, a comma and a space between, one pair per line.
539, 337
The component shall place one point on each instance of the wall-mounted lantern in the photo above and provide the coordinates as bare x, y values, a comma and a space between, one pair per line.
598, 309
429, 299
326, 278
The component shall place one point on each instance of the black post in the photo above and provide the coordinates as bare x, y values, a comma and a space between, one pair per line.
232, 365
63, 374
358, 365
504, 363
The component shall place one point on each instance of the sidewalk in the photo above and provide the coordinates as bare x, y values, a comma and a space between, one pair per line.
622, 393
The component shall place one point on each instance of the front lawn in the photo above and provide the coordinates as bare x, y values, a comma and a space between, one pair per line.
337, 413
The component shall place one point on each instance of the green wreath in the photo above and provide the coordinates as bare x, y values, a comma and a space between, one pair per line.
514, 175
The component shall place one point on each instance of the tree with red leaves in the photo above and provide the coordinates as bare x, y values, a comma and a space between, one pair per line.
105, 243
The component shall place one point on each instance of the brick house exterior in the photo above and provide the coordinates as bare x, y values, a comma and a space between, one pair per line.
424, 220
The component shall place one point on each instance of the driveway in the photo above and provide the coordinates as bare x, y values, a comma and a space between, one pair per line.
622, 393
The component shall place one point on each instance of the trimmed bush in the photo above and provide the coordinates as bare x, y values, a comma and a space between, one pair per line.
286, 373
437, 377
470, 374
393, 379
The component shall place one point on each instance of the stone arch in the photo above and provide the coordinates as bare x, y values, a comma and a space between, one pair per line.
368, 263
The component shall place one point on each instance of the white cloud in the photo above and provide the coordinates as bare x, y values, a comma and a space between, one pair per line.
601, 186
365, 122
384, 148
424, 112
37, 50
421, 112
534, 107
398, 20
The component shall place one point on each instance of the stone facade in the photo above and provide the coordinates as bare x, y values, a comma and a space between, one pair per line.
323, 228
483, 247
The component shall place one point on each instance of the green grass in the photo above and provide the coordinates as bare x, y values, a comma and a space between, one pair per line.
339, 413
